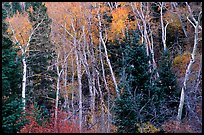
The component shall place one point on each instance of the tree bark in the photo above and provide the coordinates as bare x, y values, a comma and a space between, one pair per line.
101, 105
188, 70
106, 87
90, 78
72, 83
163, 27
24, 82
57, 92
79, 76
106, 55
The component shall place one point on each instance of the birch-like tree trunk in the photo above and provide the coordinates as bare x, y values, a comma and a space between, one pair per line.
87, 69
79, 75
143, 13
24, 82
101, 105
106, 87
196, 25
162, 26
24, 51
59, 72
22, 6
106, 54
72, 68
79, 88
65, 85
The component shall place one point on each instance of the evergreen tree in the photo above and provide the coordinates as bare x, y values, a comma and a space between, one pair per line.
11, 8
167, 82
167, 78
16, 7
124, 110
41, 54
11, 83
130, 109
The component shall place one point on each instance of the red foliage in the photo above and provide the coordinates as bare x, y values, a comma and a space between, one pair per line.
61, 127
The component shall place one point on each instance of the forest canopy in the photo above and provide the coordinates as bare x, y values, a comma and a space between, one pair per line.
102, 67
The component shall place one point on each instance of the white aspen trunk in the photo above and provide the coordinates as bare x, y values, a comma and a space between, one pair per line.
24, 51
106, 86
56, 100
199, 75
24, 82
150, 40
79, 76
101, 105
93, 96
22, 6
93, 65
72, 83
90, 78
162, 26
79, 89
143, 30
107, 59
110, 6
57, 93
188, 70
65, 86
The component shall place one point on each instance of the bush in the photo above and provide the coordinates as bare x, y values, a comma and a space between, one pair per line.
48, 126
148, 128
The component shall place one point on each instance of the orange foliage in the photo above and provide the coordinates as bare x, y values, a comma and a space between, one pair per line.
120, 23
21, 26
64, 14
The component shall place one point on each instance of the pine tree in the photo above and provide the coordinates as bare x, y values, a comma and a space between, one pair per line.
125, 113
134, 87
11, 83
167, 82
167, 78
41, 54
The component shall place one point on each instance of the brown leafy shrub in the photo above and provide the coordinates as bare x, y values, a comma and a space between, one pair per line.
180, 63
173, 126
148, 128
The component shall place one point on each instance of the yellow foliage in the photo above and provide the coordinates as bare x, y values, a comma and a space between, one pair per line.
180, 62
21, 27
148, 128
182, 59
120, 22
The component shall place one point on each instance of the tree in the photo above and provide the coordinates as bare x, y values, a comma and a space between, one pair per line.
135, 87
167, 80
196, 25
124, 111
165, 90
41, 54
12, 109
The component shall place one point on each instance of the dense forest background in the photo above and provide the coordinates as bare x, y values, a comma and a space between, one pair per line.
101, 67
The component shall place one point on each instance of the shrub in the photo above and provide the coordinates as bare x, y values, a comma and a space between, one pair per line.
148, 128
48, 126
